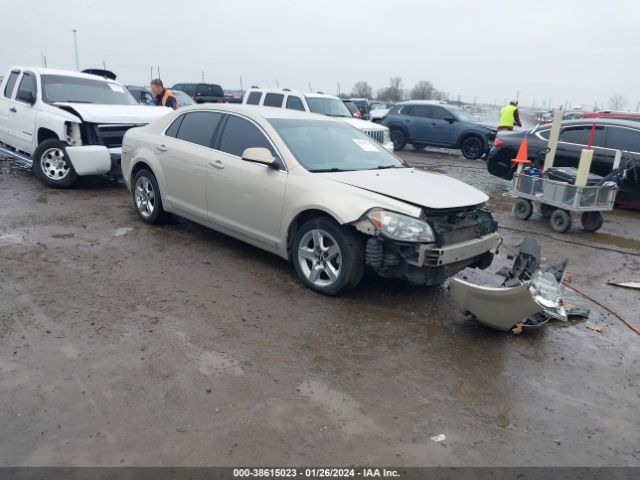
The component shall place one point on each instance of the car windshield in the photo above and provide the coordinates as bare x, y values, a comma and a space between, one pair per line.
326, 146
334, 107
463, 115
60, 88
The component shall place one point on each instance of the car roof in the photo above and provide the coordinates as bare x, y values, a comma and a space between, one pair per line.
284, 91
65, 73
424, 102
263, 112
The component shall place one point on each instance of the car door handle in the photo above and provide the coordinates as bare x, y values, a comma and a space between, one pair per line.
162, 148
217, 164
13, 109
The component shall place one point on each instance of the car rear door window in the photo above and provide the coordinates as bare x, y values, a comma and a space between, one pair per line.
273, 100
580, 135
199, 127
240, 134
11, 82
295, 103
27, 89
622, 138
254, 98
422, 111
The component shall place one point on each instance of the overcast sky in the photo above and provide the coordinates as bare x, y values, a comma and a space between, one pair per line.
579, 51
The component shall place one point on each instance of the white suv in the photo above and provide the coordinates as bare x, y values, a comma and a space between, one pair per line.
67, 123
316, 103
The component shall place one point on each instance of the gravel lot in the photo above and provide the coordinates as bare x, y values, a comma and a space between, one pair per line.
128, 344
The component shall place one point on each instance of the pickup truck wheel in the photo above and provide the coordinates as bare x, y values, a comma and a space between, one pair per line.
472, 148
52, 166
398, 138
146, 197
327, 257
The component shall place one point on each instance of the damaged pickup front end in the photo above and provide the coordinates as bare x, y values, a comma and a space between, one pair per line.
429, 249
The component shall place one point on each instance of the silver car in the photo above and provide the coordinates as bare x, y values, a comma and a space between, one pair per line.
309, 188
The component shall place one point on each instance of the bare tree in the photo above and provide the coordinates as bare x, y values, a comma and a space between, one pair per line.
617, 102
423, 90
362, 89
394, 92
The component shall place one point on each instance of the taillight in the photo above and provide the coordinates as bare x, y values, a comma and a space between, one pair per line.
498, 143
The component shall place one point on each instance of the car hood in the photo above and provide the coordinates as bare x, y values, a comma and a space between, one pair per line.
94, 113
424, 189
490, 126
362, 124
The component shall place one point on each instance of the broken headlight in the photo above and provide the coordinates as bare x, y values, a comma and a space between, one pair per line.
547, 293
401, 227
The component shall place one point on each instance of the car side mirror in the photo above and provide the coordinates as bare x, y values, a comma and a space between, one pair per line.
259, 155
450, 119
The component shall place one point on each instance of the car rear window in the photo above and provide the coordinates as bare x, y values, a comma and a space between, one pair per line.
199, 127
254, 98
11, 82
273, 100
295, 103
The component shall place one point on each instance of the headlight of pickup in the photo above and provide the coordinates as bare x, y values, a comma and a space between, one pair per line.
386, 136
401, 227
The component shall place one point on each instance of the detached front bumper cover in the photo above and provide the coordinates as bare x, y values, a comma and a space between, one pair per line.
530, 292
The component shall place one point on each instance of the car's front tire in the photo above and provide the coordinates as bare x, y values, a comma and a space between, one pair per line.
398, 138
146, 197
327, 257
472, 148
52, 166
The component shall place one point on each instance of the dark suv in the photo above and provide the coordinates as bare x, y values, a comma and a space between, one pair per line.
202, 92
425, 123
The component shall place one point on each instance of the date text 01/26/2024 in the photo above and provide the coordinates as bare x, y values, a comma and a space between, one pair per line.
315, 473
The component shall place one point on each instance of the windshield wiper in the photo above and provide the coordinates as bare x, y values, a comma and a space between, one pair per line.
382, 167
334, 115
323, 170
72, 101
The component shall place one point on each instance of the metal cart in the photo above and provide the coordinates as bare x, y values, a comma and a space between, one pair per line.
558, 200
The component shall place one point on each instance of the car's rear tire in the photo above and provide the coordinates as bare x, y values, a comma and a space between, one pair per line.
591, 221
328, 257
560, 221
146, 197
398, 138
472, 147
52, 166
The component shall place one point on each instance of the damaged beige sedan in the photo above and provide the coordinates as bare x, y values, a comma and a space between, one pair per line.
311, 189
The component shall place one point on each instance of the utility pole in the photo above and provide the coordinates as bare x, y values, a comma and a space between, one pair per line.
202, 76
241, 87
277, 83
159, 73
104, 65
338, 88
310, 89
75, 46
518, 96
44, 60
151, 73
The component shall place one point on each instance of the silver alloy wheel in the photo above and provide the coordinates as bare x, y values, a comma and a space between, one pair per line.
145, 197
53, 164
320, 258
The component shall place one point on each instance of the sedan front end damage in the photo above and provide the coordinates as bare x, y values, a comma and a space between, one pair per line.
429, 249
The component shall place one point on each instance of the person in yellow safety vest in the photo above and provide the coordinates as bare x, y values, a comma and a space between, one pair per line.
509, 116
161, 96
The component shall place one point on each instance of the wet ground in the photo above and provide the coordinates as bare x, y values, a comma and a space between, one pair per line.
128, 344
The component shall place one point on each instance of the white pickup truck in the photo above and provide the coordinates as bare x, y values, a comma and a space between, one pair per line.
67, 123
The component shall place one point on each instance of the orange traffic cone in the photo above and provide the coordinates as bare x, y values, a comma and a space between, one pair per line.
522, 156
